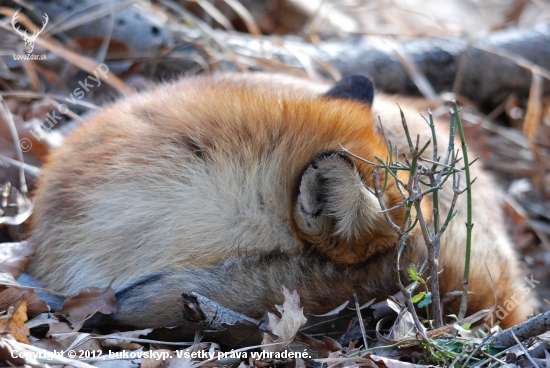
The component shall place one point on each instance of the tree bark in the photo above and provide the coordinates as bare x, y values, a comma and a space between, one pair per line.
487, 78
531, 328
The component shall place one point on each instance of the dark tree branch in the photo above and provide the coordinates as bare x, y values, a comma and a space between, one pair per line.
487, 78
533, 327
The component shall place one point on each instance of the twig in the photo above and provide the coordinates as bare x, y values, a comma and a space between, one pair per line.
31, 170
410, 306
215, 13
478, 347
492, 357
246, 16
6, 114
344, 150
524, 350
357, 307
419, 79
378, 193
459, 76
39, 95
205, 29
413, 194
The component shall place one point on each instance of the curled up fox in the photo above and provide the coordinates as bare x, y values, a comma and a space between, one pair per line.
234, 185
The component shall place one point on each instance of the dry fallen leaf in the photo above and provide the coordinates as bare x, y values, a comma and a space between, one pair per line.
123, 339
89, 301
49, 345
14, 323
404, 327
64, 335
12, 296
35, 305
390, 363
58, 328
14, 257
323, 348
154, 362
285, 328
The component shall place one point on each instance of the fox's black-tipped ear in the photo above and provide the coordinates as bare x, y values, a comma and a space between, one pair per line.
354, 87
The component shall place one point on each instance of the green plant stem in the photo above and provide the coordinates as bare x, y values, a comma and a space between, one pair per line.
469, 224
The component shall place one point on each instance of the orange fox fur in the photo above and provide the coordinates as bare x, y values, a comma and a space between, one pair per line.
227, 186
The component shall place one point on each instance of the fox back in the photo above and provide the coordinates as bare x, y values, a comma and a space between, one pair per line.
231, 186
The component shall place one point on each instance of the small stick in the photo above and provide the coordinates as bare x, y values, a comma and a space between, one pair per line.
361, 321
524, 350
16, 143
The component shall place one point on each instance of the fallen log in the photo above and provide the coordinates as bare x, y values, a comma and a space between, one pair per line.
494, 65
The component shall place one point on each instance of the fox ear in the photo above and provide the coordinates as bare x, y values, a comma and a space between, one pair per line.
354, 87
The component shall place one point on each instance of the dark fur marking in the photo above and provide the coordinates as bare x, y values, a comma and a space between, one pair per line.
127, 290
325, 155
191, 144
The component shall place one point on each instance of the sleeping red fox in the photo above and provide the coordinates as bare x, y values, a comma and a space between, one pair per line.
232, 186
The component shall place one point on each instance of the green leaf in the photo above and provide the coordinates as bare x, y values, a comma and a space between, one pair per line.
457, 327
481, 333
426, 301
454, 346
418, 297
494, 351
413, 274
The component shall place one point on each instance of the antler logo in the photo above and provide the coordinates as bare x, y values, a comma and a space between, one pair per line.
29, 40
